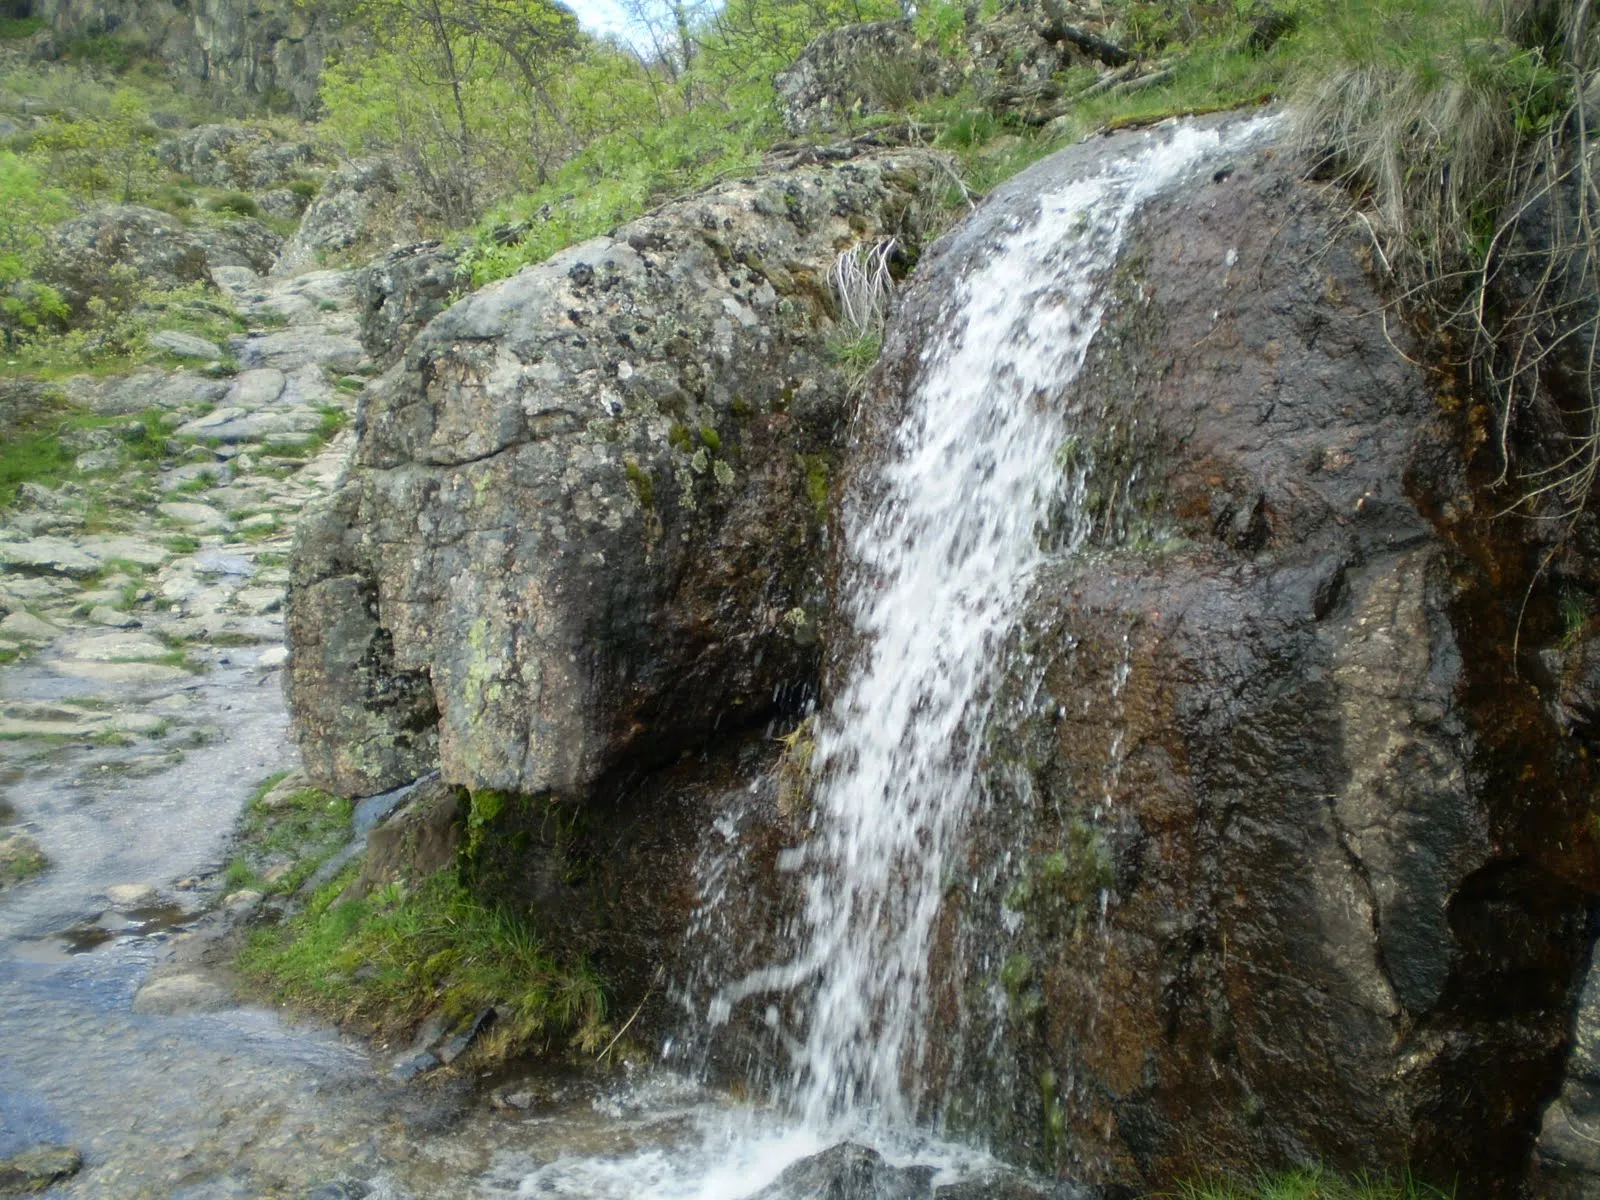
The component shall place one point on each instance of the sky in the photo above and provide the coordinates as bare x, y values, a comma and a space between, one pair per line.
603, 16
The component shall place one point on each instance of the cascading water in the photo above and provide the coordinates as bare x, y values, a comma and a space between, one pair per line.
970, 496
941, 558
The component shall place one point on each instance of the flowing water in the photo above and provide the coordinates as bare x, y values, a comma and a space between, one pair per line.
970, 495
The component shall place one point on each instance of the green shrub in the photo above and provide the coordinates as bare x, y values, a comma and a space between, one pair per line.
13, 28
241, 204
27, 209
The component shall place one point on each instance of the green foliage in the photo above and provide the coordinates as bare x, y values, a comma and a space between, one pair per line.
27, 209
36, 454
105, 50
856, 353
303, 829
13, 28
102, 152
1452, 124
114, 329
241, 204
396, 957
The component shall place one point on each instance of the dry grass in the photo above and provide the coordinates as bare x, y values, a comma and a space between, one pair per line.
1465, 137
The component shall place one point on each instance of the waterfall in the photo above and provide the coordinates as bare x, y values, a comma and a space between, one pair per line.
942, 544
970, 493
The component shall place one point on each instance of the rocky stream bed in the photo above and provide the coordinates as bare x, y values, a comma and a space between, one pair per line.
143, 707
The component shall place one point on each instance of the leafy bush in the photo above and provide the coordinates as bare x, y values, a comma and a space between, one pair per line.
27, 209
239, 203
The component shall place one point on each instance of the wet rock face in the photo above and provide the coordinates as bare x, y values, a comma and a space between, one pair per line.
586, 506
1280, 863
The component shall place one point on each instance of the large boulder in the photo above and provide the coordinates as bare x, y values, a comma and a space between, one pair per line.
1284, 858
241, 242
398, 294
584, 517
115, 252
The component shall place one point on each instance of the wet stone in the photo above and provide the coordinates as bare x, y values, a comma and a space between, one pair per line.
130, 895
170, 995
47, 554
114, 647
37, 1168
23, 626
196, 516
343, 1189
133, 673
849, 1172
252, 389
215, 562
111, 618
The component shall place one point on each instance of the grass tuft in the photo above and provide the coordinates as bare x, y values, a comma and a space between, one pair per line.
390, 961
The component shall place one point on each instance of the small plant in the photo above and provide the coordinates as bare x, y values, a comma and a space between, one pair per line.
863, 286
1310, 1184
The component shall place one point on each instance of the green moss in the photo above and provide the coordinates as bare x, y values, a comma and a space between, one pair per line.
816, 470
709, 436
642, 483
12, 28
1016, 973
301, 830
679, 437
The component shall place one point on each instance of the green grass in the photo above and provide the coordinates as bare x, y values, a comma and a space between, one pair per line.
388, 962
36, 455
306, 829
1311, 1185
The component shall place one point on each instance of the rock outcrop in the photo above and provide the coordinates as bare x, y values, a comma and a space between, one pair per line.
341, 213
584, 522
233, 156
1280, 862
119, 250
859, 70
271, 51
1286, 855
